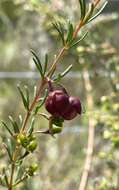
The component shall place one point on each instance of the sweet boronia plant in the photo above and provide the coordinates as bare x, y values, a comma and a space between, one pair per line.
49, 93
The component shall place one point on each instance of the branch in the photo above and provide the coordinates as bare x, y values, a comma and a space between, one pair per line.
91, 133
43, 82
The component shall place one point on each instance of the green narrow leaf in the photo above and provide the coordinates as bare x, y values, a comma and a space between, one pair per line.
24, 177
59, 27
6, 178
27, 94
37, 63
61, 75
41, 102
16, 127
14, 124
23, 98
77, 42
98, 13
46, 63
19, 172
57, 78
24, 155
11, 145
69, 33
37, 59
82, 8
20, 120
66, 71
35, 91
31, 128
5, 125
38, 67
8, 151
2, 180
89, 13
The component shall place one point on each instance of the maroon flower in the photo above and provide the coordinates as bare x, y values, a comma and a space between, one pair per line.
56, 102
75, 102
73, 109
59, 104
69, 113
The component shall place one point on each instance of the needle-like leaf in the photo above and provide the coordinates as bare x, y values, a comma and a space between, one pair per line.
8, 151
37, 63
5, 125
77, 42
45, 64
61, 75
89, 13
41, 102
6, 177
82, 8
98, 13
24, 99
14, 124
59, 27
27, 95
66, 71
31, 128
69, 33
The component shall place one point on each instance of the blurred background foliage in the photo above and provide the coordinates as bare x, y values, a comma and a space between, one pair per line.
26, 24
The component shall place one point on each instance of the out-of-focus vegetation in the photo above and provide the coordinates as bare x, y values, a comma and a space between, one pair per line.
27, 24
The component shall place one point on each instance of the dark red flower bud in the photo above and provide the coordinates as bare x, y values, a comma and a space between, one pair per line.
56, 102
73, 109
70, 113
59, 104
75, 102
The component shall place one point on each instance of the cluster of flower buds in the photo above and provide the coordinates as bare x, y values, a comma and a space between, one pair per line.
60, 104
32, 169
28, 142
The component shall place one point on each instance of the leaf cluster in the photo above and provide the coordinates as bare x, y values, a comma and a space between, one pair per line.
87, 15
66, 35
42, 68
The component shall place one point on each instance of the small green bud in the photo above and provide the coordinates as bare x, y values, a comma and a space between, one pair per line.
32, 169
32, 146
56, 129
31, 137
23, 140
58, 121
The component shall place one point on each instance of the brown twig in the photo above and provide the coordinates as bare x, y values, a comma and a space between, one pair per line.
11, 177
14, 157
33, 105
96, 2
57, 58
79, 26
91, 133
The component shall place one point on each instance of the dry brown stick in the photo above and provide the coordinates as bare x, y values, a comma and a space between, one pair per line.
91, 133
